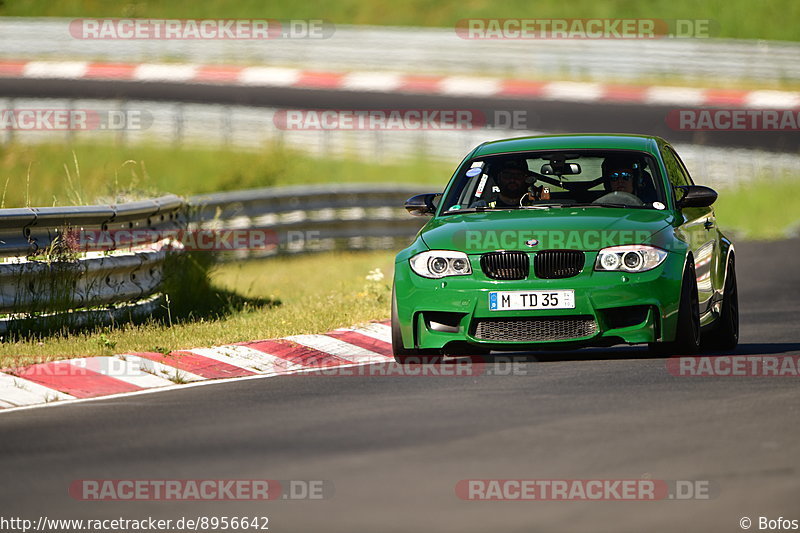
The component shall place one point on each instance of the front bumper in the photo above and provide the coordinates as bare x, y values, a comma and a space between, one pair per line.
610, 308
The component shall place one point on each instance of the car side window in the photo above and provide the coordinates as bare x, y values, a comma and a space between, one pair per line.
675, 171
682, 167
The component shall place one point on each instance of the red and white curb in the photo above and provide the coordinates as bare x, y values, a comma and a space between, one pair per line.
92, 377
395, 82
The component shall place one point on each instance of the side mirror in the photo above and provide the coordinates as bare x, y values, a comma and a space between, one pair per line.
697, 196
422, 204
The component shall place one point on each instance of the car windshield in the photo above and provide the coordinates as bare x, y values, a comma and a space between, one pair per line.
531, 180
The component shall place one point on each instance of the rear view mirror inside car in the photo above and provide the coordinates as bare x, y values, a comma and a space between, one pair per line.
560, 168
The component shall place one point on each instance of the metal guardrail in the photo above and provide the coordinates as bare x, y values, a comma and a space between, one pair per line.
101, 280
26, 232
55, 261
312, 218
433, 50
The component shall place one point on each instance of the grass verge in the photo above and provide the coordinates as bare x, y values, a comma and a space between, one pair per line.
738, 19
84, 173
763, 209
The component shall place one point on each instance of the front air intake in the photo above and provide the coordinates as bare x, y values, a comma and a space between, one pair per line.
535, 329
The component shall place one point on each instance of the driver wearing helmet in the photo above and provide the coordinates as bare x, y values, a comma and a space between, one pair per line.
619, 175
620, 180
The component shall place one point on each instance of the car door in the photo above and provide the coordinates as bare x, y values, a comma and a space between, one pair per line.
698, 228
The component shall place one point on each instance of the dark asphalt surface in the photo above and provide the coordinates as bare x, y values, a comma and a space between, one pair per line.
395, 447
540, 115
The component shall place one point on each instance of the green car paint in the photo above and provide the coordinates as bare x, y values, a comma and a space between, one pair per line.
441, 314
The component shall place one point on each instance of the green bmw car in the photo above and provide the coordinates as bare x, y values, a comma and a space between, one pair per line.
565, 241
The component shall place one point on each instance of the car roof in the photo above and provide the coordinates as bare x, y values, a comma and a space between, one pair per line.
582, 141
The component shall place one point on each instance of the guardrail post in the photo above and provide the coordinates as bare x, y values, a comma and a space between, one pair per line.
227, 126
178, 125
9, 137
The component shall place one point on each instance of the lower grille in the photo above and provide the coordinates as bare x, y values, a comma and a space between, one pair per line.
558, 264
535, 329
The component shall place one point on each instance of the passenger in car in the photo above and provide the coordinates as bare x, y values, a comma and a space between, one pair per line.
511, 176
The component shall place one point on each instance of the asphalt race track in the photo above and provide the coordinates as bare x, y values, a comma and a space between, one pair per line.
395, 447
540, 115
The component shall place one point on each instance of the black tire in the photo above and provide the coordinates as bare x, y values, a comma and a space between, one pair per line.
687, 333
725, 335
403, 355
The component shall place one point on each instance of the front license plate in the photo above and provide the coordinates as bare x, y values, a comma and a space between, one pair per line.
523, 300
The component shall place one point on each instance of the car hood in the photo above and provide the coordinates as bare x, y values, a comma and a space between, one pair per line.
577, 228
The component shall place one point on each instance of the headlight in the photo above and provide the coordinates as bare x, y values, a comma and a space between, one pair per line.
634, 258
441, 263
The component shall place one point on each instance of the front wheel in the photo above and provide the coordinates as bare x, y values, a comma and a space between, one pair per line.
687, 333
725, 335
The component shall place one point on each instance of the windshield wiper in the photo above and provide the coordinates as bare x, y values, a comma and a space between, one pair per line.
475, 210
602, 205
481, 209
456, 211
541, 206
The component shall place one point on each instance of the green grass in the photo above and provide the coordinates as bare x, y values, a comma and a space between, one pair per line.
58, 174
764, 209
739, 19
334, 293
